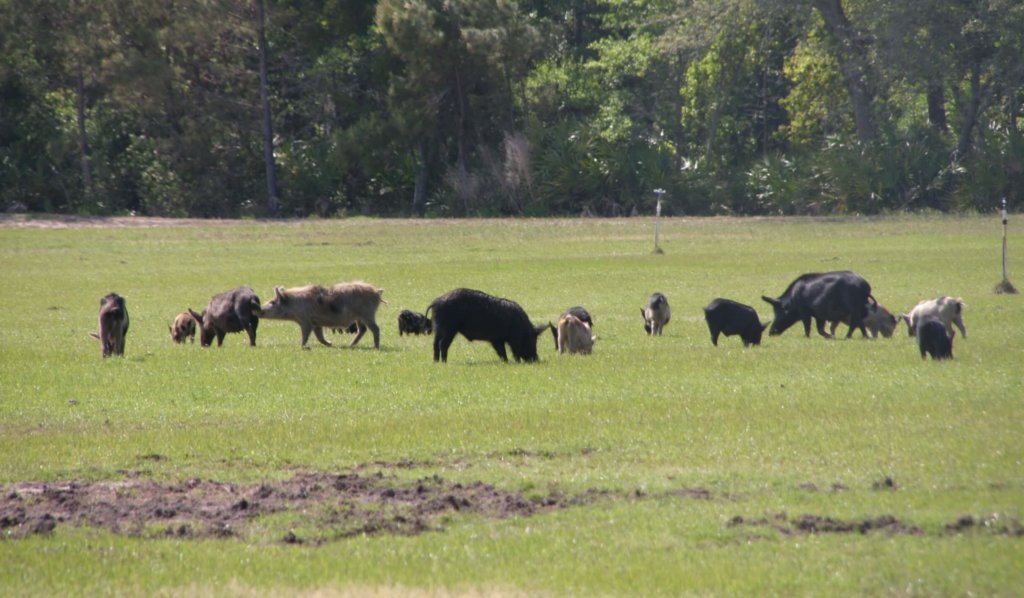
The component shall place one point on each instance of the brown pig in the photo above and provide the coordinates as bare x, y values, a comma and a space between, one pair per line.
184, 327
878, 319
113, 325
574, 335
316, 307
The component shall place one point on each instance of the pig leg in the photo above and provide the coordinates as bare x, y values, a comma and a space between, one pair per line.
820, 325
499, 347
959, 324
856, 323
360, 331
250, 328
104, 336
305, 329
220, 337
319, 332
105, 347
375, 331
714, 337
442, 340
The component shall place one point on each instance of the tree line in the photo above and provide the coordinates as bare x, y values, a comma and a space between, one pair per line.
223, 108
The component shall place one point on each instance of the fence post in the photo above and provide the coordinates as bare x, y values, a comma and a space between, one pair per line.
1004, 287
657, 220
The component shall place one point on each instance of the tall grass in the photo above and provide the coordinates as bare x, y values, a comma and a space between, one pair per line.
765, 430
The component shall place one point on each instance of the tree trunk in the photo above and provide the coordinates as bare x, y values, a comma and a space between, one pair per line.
852, 56
937, 106
676, 132
83, 136
975, 104
419, 195
273, 202
460, 125
579, 11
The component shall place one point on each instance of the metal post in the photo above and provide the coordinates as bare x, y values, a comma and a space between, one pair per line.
1005, 287
1005, 277
657, 220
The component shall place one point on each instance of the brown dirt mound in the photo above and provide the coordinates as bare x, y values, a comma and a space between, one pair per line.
339, 505
993, 524
815, 524
316, 507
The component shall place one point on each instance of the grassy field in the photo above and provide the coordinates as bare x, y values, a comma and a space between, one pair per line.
655, 466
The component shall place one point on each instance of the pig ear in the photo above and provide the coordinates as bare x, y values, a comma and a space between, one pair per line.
279, 293
537, 330
195, 316
773, 302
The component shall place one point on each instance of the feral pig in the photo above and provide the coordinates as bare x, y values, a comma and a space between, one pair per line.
315, 307
482, 317
725, 316
826, 297
656, 314
231, 311
113, 325
948, 310
581, 313
573, 335
410, 322
932, 339
878, 320
184, 327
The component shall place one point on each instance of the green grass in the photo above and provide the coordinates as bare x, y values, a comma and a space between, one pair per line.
765, 430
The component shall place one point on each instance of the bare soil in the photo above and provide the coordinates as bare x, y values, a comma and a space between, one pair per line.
816, 524
323, 507
337, 505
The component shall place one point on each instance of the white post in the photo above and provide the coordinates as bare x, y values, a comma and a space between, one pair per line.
1005, 287
1005, 276
657, 220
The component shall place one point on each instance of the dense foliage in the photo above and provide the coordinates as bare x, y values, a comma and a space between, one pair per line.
532, 107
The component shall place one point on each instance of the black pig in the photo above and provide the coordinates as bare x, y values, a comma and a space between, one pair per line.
231, 311
113, 323
725, 316
932, 339
831, 296
482, 317
410, 322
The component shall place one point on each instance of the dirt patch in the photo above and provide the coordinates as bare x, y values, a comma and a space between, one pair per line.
815, 524
994, 524
336, 505
811, 487
313, 508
